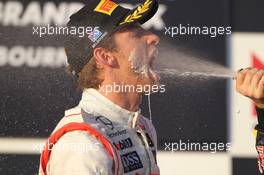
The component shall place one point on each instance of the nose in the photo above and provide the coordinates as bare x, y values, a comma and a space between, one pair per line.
152, 39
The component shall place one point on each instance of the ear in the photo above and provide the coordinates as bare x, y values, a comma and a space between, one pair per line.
104, 57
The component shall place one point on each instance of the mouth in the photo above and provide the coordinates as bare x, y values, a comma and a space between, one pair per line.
153, 73
153, 58
151, 63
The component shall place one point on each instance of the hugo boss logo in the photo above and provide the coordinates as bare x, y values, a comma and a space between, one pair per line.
105, 121
131, 161
123, 144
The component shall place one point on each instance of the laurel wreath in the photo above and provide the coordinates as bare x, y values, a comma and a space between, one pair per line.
138, 12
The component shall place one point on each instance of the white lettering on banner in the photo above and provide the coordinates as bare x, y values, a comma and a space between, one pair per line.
14, 13
18, 56
10, 13
32, 15
50, 9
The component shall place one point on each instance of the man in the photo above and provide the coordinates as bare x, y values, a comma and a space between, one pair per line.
250, 83
106, 134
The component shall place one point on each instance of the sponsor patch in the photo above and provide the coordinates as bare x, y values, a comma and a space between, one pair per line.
131, 161
118, 133
106, 7
105, 121
260, 150
94, 35
123, 144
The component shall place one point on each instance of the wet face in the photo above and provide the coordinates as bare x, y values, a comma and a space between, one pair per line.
136, 52
142, 59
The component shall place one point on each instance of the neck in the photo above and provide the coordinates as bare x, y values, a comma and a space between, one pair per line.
127, 100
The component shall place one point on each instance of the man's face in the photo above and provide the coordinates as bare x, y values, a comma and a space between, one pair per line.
136, 51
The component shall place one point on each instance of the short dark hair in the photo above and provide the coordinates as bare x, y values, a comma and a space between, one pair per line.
88, 76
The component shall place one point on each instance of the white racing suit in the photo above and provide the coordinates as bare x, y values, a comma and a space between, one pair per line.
100, 138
